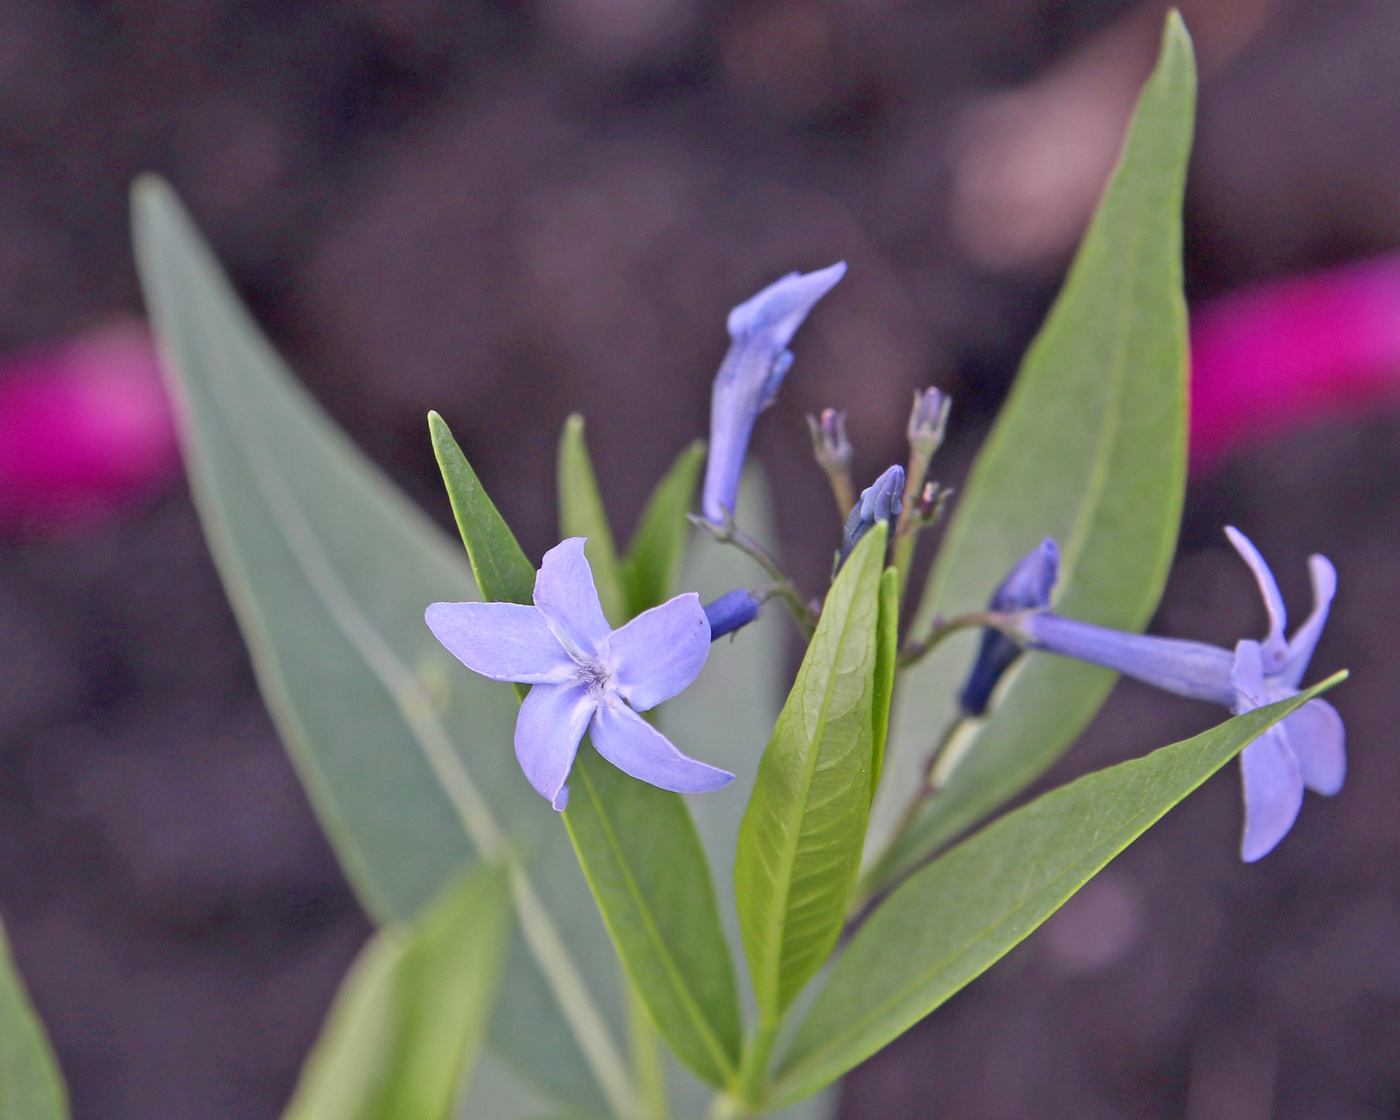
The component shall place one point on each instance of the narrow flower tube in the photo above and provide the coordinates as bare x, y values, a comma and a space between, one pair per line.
882, 500
732, 611
750, 375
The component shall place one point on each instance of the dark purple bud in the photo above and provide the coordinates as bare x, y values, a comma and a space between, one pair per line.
732, 611
1028, 587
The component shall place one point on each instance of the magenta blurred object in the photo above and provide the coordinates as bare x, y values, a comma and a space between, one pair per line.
85, 430
1281, 354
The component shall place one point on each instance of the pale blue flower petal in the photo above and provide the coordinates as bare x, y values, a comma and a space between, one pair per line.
552, 720
1318, 738
1274, 644
659, 652
502, 641
760, 330
1247, 680
566, 596
1273, 793
1300, 649
635, 747
1194, 669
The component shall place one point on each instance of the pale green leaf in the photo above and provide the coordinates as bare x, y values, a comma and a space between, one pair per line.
658, 547
644, 861
407, 1025
31, 1086
1090, 449
956, 917
581, 514
799, 844
405, 754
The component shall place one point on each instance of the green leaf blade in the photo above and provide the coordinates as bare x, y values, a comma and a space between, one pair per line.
657, 551
643, 858
405, 755
407, 1025
1090, 449
503, 572
799, 842
582, 514
956, 917
31, 1086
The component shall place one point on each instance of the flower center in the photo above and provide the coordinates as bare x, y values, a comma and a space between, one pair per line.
598, 677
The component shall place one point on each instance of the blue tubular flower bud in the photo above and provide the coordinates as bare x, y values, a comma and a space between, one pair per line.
732, 611
882, 500
748, 379
1028, 587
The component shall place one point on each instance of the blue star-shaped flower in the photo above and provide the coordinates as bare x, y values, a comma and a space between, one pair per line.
586, 676
1305, 750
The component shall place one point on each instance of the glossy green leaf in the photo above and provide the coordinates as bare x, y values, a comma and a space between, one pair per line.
955, 918
581, 514
31, 1086
503, 572
654, 558
643, 858
405, 755
408, 1023
799, 844
1090, 449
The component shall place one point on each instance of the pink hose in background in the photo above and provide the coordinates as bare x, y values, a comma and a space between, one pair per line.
1284, 353
85, 430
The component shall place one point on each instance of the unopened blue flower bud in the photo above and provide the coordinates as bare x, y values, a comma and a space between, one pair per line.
1028, 587
732, 611
928, 420
882, 500
748, 379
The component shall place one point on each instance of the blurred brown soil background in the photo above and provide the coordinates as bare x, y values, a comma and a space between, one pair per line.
511, 210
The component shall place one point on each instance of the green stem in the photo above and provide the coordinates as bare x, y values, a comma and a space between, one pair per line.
782, 587
753, 1075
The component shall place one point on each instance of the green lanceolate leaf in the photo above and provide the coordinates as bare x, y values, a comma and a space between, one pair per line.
408, 1024
405, 755
31, 1087
654, 559
800, 840
650, 878
955, 918
1090, 449
581, 514
887, 650
503, 572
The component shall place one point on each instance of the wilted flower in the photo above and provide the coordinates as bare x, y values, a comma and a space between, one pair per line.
830, 445
1307, 749
732, 611
748, 379
586, 676
882, 500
